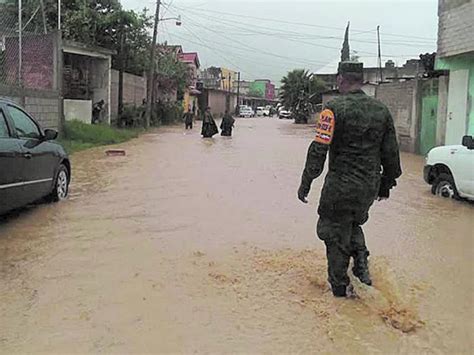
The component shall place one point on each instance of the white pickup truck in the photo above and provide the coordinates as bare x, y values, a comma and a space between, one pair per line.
450, 170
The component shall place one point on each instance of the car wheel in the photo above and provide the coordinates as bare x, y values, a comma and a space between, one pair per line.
444, 186
61, 185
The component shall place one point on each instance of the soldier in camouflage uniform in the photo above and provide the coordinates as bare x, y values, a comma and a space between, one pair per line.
359, 133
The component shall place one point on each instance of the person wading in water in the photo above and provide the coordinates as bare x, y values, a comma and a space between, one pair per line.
188, 118
227, 124
364, 163
209, 127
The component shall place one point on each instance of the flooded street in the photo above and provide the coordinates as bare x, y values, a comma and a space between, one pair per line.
191, 245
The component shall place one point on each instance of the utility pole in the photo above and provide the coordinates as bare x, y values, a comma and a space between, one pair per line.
121, 69
20, 51
237, 109
380, 54
151, 71
229, 92
44, 17
59, 15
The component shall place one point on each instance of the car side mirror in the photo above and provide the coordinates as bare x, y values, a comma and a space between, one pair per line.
468, 142
50, 134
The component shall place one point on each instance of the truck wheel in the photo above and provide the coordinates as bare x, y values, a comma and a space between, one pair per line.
444, 186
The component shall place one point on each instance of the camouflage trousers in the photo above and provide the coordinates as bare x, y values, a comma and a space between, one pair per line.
343, 238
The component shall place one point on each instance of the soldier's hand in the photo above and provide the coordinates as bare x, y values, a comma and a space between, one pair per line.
384, 193
302, 194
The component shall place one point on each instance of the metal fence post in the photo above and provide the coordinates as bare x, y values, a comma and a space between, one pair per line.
20, 53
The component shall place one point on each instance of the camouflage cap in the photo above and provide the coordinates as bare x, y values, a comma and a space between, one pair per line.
350, 67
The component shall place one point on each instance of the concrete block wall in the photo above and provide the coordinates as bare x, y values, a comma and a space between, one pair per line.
401, 100
44, 106
134, 90
217, 102
44, 110
455, 27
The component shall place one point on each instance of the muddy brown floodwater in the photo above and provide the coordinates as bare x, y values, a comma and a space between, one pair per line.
191, 245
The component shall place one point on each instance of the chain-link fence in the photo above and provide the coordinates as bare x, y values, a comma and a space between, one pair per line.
28, 45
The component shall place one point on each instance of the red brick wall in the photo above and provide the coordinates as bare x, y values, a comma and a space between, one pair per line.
38, 53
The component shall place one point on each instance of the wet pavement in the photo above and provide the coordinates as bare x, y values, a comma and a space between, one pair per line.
192, 245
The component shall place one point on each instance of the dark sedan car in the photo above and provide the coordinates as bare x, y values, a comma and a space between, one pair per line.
32, 167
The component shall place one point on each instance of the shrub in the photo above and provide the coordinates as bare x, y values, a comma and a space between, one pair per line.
78, 135
167, 113
132, 116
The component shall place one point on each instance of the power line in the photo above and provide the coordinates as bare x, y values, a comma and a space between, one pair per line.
299, 23
278, 35
164, 28
220, 51
207, 46
246, 47
282, 66
308, 36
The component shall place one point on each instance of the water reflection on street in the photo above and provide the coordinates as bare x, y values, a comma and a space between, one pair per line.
191, 245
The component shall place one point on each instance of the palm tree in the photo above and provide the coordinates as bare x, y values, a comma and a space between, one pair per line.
300, 91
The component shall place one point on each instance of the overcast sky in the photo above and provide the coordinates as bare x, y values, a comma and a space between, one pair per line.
266, 39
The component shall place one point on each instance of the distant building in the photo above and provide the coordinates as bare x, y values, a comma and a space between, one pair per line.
191, 92
390, 72
263, 88
166, 49
192, 61
456, 54
277, 93
244, 87
410, 70
257, 88
227, 79
218, 78
270, 91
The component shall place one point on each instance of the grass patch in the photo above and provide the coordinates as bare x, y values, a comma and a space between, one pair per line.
79, 136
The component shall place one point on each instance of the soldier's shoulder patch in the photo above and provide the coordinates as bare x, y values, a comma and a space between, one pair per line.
325, 127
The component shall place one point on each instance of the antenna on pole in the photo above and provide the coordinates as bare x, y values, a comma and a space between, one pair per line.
379, 55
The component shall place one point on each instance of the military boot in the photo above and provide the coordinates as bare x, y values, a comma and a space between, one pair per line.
339, 291
361, 267
344, 291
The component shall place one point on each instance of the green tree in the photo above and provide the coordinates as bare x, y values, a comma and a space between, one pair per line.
345, 51
171, 73
106, 24
300, 92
